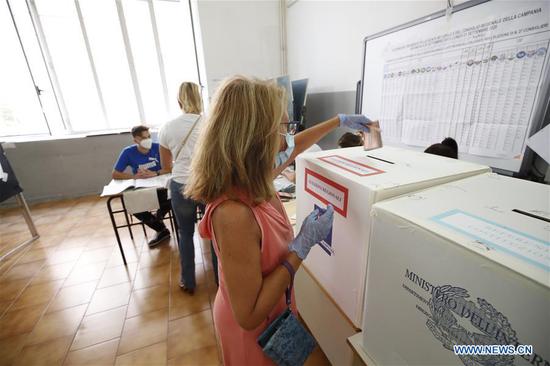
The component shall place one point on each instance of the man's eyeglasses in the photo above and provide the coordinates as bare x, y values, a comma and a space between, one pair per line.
291, 127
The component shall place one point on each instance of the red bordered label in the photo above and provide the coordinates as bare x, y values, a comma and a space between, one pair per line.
327, 191
351, 166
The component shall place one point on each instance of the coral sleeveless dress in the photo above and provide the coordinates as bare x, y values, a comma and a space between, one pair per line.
239, 346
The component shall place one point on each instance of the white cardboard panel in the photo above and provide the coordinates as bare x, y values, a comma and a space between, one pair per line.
430, 287
352, 180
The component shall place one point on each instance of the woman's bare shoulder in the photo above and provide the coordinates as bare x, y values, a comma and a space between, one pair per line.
234, 216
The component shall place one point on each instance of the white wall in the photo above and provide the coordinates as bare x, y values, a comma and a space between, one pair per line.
325, 38
240, 37
65, 168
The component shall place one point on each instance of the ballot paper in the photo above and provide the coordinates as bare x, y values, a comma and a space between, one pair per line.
117, 186
326, 243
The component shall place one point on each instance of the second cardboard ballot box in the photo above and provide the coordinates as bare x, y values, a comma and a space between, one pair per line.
352, 180
465, 263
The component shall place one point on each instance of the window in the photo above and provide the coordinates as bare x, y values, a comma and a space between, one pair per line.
142, 43
71, 64
20, 110
111, 63
91, 65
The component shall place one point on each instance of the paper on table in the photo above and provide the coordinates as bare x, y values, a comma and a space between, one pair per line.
117, 186
540, 143
141, 200
158, 181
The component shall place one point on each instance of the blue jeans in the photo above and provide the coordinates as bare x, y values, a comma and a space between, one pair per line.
185, 210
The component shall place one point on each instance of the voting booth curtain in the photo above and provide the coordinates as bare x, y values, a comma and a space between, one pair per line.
9, 186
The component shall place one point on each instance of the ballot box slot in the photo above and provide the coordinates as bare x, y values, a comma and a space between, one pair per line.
531, 215
385, 161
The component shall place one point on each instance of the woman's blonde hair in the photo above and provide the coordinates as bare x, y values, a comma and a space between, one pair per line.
189, 98
239, 142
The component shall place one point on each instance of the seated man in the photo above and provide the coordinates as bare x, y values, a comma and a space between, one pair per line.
144, 159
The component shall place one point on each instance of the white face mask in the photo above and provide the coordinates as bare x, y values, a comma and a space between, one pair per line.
146, 143
283, 156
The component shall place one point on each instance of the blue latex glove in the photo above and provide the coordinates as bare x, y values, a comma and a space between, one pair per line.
354, 121
314, 229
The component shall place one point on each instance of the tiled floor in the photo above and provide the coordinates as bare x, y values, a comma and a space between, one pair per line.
67, 299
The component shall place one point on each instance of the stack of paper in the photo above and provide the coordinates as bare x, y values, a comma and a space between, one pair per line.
117, 186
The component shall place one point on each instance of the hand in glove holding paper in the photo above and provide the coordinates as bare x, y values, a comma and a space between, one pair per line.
315, 228
355, 122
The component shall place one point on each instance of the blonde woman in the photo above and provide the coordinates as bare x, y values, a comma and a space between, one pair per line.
233, 172
177, 140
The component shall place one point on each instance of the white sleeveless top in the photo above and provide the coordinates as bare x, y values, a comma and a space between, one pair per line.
171, 135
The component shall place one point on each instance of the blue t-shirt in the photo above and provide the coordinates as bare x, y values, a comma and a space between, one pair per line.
131, 156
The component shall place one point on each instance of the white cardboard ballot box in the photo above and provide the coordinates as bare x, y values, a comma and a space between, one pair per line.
352, 180
465, 263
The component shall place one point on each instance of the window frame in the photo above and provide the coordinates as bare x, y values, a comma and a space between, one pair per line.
67, 128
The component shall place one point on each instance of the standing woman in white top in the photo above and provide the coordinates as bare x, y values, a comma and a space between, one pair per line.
177, 140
